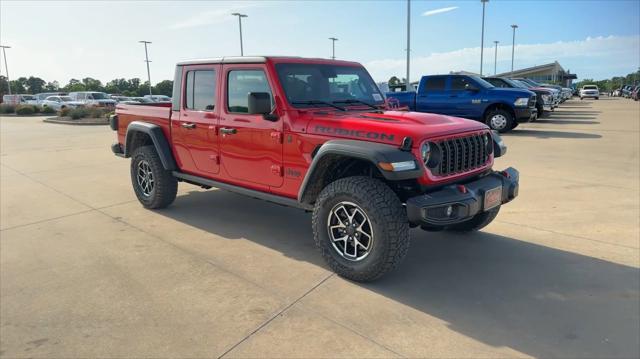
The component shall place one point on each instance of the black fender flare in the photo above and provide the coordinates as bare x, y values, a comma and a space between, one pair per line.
372, 152
157, 137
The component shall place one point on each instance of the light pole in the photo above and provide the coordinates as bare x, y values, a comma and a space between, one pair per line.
408, 42
4, 54
146, 56
333, 47
240, 16
484, 3
495, 59
513, 45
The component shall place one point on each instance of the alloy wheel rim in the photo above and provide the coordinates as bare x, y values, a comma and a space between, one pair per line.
144, 177
498, 122
350, 231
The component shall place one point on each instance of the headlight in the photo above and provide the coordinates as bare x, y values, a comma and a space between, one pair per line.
546, 98
425, 152
523, 101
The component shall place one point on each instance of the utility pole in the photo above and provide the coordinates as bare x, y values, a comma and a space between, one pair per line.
4, 54
333, 47
240, 16
408, 83
495, 59
146, 55
513, 46
484, 3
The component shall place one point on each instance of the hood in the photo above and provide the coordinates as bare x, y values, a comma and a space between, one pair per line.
511, 91
389, 126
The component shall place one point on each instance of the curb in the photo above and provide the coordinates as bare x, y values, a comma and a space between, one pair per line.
80, 122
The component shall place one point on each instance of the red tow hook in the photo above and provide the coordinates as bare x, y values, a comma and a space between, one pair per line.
506, 174
461, 188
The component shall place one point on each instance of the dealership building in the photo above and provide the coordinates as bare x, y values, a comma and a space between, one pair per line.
548, 73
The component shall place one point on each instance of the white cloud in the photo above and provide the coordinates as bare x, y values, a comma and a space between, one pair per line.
596, 57
219, 15
439, 11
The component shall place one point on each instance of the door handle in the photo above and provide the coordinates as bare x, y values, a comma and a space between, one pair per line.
228, 131
187, 125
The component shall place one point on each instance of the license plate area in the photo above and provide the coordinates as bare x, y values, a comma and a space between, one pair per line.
492, 198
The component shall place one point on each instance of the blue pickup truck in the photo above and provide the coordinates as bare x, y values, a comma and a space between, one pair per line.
470, 97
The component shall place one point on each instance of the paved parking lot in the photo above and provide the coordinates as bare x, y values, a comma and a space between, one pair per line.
85, 271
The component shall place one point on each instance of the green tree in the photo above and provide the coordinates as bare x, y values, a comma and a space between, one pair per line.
74, 85
91, 84
163, 88
35, 85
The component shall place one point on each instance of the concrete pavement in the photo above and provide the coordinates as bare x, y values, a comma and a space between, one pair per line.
85, 271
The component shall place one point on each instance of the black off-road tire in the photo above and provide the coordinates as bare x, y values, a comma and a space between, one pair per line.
508, 117
165, 186
388, 220
476, 223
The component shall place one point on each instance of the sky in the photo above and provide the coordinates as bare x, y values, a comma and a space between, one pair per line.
62, 40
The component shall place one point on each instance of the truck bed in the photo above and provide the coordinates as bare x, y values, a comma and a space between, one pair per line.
154, 110
156, 113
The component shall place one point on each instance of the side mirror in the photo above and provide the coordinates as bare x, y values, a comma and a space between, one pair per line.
259, 103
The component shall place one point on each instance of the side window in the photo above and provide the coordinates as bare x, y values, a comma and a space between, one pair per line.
459, 83
435, 83
240, 83
200, 90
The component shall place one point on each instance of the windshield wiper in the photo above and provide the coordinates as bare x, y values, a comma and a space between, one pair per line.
350, 101
318, 102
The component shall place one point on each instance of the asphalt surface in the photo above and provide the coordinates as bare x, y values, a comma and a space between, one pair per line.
85, 271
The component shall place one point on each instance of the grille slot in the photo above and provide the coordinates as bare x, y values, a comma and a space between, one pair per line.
461, 154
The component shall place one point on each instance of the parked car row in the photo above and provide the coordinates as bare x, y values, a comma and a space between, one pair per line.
501, 103
627, 91
61, 100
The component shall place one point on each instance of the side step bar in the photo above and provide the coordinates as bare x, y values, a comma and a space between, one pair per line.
201, 181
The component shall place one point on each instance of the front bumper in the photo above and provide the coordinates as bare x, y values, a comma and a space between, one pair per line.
458, 203
526, 114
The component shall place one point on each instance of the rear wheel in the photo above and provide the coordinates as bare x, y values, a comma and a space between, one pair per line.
499, 120
361, 228
154, 186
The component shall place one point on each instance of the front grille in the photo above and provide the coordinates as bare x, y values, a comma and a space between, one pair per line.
462, 154
532, 101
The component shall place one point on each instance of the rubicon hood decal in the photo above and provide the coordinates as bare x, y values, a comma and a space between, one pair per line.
372, 135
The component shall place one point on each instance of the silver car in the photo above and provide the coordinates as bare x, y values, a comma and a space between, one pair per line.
93, 98
59, 102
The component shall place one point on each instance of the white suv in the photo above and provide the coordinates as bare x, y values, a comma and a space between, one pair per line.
589, 91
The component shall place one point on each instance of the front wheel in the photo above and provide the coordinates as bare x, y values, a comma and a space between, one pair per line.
499, 120
154, 186
361, 228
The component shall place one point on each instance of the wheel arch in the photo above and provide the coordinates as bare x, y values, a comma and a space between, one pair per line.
337, 159
499, 106
144, 134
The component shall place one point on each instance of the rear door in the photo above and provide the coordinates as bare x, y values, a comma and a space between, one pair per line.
194, 133
432, 97
251, 147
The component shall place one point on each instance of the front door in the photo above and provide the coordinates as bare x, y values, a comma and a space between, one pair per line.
251, 146
194, 133
466, 97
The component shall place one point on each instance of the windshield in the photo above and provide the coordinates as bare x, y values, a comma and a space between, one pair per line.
66, 98
482, 82
99, 96
515, 83
522, 83
311, 84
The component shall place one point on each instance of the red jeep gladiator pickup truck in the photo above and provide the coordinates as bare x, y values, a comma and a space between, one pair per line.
316, 134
